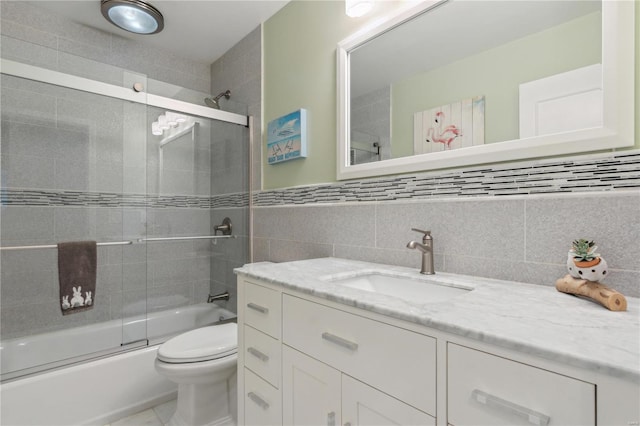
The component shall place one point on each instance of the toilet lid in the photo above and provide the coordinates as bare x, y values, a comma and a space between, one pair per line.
202, 344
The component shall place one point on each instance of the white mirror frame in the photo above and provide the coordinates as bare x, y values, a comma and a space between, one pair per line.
618, 53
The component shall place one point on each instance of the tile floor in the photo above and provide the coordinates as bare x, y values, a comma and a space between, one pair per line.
156, 416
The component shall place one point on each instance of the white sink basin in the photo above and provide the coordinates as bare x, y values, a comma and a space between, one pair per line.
403, 287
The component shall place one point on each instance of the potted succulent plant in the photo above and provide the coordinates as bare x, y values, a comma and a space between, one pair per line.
584, 263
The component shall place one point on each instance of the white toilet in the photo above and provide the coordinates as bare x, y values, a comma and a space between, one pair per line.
203, 364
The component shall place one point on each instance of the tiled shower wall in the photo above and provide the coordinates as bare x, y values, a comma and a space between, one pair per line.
371, 122
79, 166
240, 71
33, 35
514, 221
71, 171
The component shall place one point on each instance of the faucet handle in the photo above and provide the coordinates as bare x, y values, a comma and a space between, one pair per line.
426, 237
426, 233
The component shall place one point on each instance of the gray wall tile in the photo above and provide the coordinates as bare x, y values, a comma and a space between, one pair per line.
28, 52
612, 221
27, 223
285, 251
27, 171
493, 228
28, 276
384, 256
354, 225
482, 237
261, 250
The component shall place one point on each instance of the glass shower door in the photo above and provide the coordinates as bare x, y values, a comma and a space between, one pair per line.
66, 172
188, 259
178, 252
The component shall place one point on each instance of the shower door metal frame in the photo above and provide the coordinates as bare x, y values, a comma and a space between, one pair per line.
43, 75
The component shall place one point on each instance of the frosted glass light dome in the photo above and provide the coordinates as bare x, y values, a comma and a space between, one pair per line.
135, 16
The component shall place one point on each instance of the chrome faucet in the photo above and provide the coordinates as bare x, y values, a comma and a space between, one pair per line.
426, 247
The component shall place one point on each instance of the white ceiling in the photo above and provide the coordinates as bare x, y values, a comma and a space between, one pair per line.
200, 30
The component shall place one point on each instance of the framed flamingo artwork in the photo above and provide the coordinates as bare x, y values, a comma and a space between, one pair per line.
452, 126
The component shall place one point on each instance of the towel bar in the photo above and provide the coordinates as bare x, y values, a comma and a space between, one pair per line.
55, 246
201, 237
125, 243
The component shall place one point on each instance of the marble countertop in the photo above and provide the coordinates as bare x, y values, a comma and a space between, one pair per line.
529, 318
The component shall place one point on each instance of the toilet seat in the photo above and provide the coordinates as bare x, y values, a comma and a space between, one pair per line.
202, 344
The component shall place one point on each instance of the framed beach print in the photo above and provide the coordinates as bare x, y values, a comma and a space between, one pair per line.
287, 137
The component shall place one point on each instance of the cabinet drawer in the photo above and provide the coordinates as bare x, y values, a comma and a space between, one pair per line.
262, 355
485, 389
262, 402
396, 361
262, 309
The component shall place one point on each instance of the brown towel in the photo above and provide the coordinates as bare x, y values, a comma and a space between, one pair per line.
77, 275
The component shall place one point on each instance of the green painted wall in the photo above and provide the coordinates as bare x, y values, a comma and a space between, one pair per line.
300, 72
496, 74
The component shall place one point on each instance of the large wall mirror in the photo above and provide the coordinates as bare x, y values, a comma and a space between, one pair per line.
461, 82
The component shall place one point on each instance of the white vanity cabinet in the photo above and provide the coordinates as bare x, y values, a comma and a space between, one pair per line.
394, 360
484, 389
259, 354
330, 397
305, 360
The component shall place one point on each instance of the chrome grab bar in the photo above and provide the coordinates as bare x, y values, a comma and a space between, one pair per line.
124, 243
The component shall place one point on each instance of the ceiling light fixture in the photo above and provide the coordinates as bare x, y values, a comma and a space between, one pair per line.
358, 8
135, 16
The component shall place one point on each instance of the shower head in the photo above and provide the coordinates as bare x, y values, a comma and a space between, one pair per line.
214, 102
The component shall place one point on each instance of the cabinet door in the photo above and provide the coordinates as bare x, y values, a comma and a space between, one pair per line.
363, 405
310, 391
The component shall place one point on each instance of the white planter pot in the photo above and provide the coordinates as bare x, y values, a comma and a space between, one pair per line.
594, 273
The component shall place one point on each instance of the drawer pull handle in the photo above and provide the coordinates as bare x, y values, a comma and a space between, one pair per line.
500, 404
340, 341
261, 402
258, 308
260, 355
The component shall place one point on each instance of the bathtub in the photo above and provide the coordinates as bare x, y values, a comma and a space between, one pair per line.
94, 391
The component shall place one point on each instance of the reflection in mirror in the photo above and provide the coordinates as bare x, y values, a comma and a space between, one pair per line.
468, 73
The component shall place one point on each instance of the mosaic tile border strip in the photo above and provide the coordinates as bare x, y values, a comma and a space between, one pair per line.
605, 172
43, 198
601, 172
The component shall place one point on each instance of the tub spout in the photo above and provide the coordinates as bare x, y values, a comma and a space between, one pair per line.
222, 296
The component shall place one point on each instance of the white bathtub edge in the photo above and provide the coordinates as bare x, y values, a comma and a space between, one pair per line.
119, 385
